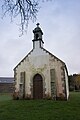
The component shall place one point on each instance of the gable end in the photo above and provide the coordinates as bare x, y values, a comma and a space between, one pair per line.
52, 55
23, 59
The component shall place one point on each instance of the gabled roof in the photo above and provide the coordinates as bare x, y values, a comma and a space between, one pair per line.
6, 80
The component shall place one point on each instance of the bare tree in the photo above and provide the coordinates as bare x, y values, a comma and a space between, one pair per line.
25, 9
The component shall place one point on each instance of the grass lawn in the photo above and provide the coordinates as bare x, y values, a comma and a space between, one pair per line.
40, 109
5, 96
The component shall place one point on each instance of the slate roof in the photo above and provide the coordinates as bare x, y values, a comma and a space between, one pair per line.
6, 80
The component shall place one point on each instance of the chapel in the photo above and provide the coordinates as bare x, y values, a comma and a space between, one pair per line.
40, 74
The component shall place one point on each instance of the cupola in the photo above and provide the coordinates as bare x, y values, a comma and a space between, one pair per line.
37, 41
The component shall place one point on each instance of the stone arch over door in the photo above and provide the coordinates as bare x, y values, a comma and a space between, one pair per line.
37, 86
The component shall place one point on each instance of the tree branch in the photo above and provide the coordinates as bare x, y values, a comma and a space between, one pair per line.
25, 9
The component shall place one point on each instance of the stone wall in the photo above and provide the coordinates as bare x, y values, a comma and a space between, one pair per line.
6, 87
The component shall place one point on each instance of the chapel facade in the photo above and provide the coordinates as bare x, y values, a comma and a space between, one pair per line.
41, 75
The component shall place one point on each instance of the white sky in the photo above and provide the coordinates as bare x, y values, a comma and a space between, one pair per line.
60, 22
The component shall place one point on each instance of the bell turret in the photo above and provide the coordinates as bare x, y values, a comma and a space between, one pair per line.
37, 41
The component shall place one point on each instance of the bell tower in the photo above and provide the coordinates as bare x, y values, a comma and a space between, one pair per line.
37, 41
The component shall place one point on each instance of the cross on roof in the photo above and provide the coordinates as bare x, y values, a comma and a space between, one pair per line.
37, 24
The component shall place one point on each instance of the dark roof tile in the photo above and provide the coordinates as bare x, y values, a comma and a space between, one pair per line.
6, 80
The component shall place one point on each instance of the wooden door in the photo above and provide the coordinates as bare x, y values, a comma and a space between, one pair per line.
37, 87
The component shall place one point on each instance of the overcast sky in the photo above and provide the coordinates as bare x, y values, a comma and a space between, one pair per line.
60, 22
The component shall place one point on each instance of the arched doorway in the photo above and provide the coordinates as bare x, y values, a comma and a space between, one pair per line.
37, 87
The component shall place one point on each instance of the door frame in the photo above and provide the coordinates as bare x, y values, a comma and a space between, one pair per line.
37, 86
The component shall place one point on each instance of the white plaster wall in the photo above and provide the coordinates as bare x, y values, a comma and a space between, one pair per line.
37, 44
37, 62
40, 64
67, 86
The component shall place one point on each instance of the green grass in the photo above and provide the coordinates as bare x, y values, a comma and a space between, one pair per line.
41, 109
5, 96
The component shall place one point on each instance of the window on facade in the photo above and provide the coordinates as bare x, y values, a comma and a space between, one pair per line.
22, 83
21, 88
37, 36
22, 77
53, 84
52, 74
